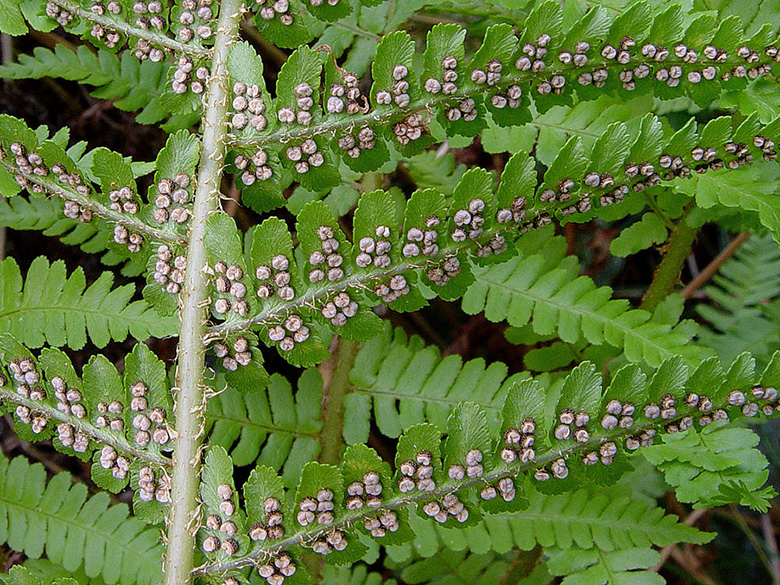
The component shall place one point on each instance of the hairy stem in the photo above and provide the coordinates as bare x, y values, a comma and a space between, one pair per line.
334, 393
190, 407
156, 38
668, 273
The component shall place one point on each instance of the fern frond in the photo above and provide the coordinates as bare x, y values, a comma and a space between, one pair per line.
542, 286
583, 519
457, 567
270, 427
57, 172
57, 518
552, 442
46, 391
21, 575
95, 237
463, 107
135, 85
454, 236
739, 320
50, 307
605, 568
402, 382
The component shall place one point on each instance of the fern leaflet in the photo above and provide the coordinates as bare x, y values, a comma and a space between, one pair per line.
50, 307
57, 518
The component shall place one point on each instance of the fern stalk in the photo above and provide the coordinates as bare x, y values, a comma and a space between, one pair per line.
668, 273
334, 393
190, 406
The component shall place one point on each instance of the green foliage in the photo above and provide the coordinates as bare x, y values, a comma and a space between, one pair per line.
50, 307
403, 382
57, 517
744, 314
132, 84
541, 285
271, 426
476, 472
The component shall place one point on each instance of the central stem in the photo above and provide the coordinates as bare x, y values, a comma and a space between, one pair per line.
183, 522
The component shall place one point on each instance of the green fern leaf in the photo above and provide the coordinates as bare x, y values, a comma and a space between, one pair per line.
739, 319
272, 427
542, 286
57, 518
20, 575
134, 85
404, 382
598, 568
51, 307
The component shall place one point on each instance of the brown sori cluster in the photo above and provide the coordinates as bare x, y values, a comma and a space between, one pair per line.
339, 309
227, 280
472, 469
395, 288
149, 15
379, 526
347, 96
280, 8
241, 355
173, 196
110, 415
28, 164
417, 473
365, 140
275, 571
183, 75
255, 168
29, 379
374, 251
305, 155
119, 465
423, 242
520, 443
153, 488
449, 76
326, 262
304, 102
275, 279
411, 128
123, 200
62, 16
368, 492
272, 528
506, 488
449, 506
110, 37
167, 276
398, 92
441, 275
290, 333
333, 540
468, 222
150, 424
317, 509
69, 403
196, 18
222, 524
250, 109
